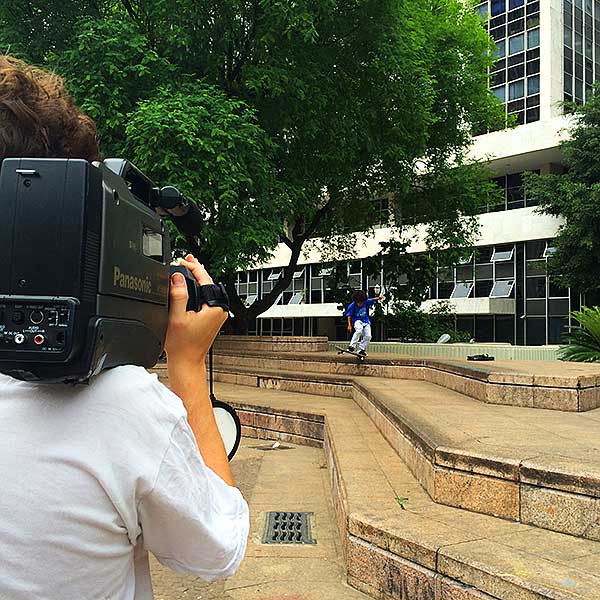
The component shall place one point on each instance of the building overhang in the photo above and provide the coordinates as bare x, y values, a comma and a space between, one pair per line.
296, 311
474, 306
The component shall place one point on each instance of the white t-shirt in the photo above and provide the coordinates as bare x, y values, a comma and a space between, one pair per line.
92, 477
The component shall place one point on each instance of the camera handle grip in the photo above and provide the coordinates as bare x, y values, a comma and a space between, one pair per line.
213, 294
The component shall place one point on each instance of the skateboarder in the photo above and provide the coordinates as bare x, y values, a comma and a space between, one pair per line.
359, 321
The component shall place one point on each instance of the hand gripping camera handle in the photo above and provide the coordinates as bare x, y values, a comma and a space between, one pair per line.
213, 294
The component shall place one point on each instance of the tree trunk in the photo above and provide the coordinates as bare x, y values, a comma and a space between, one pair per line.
239, 325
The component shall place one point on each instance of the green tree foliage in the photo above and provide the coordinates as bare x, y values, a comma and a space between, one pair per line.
353, 99
33, 29
584, 340
574, 197
111, 67
222, 159
409, 323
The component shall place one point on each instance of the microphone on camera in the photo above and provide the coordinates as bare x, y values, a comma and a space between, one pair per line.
184, 214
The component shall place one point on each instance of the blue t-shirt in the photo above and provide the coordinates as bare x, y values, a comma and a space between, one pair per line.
360, 313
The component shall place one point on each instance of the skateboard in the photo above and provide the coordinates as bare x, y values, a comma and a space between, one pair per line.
360, 357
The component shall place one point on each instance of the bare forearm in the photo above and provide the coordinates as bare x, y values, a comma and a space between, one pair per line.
189, 383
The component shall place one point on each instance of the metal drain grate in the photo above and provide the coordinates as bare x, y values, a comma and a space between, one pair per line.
288, 528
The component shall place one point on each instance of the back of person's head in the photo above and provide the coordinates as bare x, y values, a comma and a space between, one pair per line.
359, 296
38, 118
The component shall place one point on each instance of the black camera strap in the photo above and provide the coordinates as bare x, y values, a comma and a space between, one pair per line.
210, 376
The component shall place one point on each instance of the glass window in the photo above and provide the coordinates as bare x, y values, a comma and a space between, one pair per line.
536, 267
515, 3
557, 328
484, 329
297, 298
446, 274
516, 26
558, 307
482, 9
500, 49
516, 90
445, 290
505, 329
517, 72
462, 290
500, 93
516, 44
533, 85
502, 289
536, 307
556, 291
549, 251
501, 255
505, 270
535, 331
299, 273
535, 249
275, 274
498, 6
533, 67
483, 288
536, 287
484, 272
533, 38
250, 300
464, 273
484, 254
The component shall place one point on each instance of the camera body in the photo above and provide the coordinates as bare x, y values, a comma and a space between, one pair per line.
84, 282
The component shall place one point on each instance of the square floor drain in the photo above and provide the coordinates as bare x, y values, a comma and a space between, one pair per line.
288, 528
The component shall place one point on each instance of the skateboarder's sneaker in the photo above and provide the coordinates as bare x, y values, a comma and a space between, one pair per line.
362, 353
351, 349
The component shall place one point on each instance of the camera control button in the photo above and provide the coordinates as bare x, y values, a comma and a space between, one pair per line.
18, 317
36, 317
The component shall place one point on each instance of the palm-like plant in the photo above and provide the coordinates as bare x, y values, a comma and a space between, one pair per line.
584, 341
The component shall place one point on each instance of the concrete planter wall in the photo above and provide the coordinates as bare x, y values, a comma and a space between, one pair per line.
461, 351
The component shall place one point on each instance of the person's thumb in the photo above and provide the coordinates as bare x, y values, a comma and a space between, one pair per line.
178, 295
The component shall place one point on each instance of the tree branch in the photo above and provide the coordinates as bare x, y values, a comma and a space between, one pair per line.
287, 241
130, 11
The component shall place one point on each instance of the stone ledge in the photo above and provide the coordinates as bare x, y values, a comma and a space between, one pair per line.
575, 391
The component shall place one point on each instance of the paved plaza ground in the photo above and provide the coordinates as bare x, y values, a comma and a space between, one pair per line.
294, 479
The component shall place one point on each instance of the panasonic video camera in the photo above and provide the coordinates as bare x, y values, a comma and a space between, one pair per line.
84, 267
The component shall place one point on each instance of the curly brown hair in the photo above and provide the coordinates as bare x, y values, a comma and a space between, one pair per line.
38, 117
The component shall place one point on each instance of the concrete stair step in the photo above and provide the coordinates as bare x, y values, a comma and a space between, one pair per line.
568, 387
399, 543
539, 467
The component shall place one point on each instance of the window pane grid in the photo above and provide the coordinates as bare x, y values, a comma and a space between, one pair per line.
514, 26
581, 48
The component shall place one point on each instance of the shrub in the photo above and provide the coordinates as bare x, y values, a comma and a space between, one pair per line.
584, 341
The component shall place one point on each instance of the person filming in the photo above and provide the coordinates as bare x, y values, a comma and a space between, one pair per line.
93, 477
